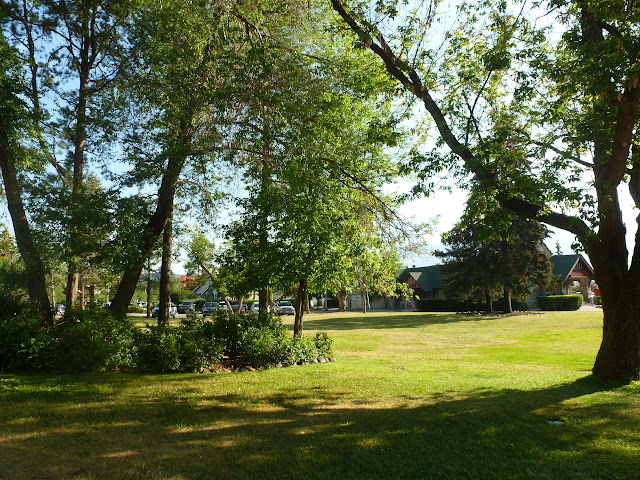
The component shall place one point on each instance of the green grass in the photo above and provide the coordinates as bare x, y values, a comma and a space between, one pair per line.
412, 396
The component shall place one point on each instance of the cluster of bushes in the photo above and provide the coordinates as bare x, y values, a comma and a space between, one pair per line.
136, 309
93, 340
457, 305
560, 302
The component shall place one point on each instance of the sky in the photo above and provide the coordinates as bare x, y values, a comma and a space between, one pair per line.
448, 207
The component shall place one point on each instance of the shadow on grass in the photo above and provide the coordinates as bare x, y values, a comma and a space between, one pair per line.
313, 434
373, 320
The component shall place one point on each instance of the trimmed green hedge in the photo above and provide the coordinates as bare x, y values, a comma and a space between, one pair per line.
560, 302
457, 305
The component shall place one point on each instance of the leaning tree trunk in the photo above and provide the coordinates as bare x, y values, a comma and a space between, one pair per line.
302, 292
150, 233
37, 284
240, 302
165, 274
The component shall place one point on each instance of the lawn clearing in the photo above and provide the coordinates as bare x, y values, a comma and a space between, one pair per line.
412, 396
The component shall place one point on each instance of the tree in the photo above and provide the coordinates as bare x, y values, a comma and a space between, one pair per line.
582, 92
13, 124
480, 262
178, 85
310, 134
67, 75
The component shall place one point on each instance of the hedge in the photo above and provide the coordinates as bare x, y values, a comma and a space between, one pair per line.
457, 305
560, 302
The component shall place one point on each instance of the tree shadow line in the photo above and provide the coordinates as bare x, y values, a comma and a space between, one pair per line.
314, 434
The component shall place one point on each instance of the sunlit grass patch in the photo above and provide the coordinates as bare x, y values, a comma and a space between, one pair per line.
411, 396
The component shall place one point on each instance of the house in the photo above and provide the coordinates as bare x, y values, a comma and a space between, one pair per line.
205, 290
426, 282
572, 271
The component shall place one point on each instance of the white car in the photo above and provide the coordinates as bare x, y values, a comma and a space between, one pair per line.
255, 307
172, 311
285, 307
208, 308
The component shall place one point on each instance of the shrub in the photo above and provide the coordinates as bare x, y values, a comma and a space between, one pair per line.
457, 305
158, 349
199, 347
24, 345
301, 349
91, 340
136, 309
560, 302
446, 305
597, 300
323, 343
190, 347
266, 346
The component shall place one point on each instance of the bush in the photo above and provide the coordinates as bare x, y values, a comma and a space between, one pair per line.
560, 302
136, 309
447, 305
323, 343
301, 349
190, 347
597, 300
457, 305
91, 340
158, 349
266, 346
24, 345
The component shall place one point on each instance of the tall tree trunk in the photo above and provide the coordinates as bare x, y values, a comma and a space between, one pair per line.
306, 303
507, 300
342, 301
240, 302
79, 141
149, 286
165, 273
489, 302
73, 281
151, 231
364, 298
81, 291
37, 284
263, 299
619, 354
302, 292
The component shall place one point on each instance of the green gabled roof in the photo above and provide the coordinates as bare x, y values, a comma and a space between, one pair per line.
564, 264
428, 278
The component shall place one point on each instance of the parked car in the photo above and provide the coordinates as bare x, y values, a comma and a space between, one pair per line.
208, 308
173, 311
255, 307
285, 307
186, 307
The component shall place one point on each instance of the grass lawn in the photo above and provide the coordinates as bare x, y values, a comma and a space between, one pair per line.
412, 396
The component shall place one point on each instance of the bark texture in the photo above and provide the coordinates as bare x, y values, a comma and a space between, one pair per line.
150, 232
37, 285
165, 273
302, 293
614, 117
